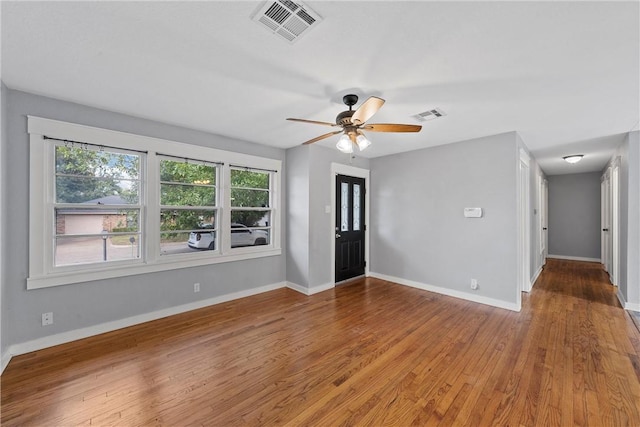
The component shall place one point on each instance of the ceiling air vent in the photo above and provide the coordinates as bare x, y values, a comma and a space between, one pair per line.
287, 19
429, 115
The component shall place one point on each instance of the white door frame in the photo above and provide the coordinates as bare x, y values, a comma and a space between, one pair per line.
524, 226
615, 221
543, 202
605, 211
340, 169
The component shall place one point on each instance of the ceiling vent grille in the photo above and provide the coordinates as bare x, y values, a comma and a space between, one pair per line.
287, 19
436, 113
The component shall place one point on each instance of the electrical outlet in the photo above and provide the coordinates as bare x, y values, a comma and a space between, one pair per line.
474, 284
47, 319
196, 287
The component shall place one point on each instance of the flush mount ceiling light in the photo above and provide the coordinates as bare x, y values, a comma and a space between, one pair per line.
574, 158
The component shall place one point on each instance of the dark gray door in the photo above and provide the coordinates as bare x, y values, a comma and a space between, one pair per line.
350, 227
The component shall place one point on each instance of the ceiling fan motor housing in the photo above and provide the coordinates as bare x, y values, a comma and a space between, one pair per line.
344, 118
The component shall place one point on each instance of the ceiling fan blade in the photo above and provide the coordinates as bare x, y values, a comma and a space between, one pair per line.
318, 138
312, 121
367, 110
391, 127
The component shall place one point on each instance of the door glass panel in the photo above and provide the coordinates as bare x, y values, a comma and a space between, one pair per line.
356, 207
344, 209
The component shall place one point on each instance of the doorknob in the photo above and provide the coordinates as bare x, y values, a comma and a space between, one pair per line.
337, 236
605, 229
544, 228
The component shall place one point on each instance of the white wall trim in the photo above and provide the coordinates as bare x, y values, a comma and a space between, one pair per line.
574, 258
623, 301
6, 358
449, 292
535, 277
627, 305
310, 291
77, 334
632, 307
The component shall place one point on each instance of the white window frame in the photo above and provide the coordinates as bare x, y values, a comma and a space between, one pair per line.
227, 243
217, 208
42, 274
55, 205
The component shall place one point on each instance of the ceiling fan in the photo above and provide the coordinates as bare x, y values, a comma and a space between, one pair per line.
352, 123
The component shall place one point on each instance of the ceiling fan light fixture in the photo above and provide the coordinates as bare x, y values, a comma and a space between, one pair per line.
574, 158
344, 144
362, 142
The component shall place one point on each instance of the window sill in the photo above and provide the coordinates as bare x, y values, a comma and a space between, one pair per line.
67, 278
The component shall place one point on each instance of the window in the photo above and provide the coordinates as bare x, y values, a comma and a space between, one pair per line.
188, 206
97, 205
108, 204
250, 207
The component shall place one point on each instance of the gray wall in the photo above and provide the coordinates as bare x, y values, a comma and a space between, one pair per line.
297, 215
574, 215
87, 304
418, 231
309, 226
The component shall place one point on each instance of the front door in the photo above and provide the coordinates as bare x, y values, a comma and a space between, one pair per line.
350, 227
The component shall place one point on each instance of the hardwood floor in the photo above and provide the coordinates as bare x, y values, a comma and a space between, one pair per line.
367, 353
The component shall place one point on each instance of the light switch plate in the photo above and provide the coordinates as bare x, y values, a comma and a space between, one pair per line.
473, 212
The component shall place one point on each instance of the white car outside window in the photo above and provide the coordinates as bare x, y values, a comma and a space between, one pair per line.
241, 235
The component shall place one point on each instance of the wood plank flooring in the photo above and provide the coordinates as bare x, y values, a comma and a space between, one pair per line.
367, 353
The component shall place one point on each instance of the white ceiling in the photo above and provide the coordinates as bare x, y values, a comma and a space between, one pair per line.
565, 75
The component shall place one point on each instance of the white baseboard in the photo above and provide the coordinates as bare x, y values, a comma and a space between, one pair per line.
535, 276
449, 292
6, 358
623, 302
632, 307
573, 258
309, 291
65, 337
627, 305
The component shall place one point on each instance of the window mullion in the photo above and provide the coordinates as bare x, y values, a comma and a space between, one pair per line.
224, 231
152, 208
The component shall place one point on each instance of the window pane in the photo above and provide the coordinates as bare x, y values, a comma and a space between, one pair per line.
78, 221
356, 207
187, 195
184, 231
251, 218
250, 228
98, 191
249, 198
249, 179
87, 175
187, 173
344, 209
96, 249
187, 242
178, 219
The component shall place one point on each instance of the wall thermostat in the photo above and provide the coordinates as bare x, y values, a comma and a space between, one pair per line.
473, 212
